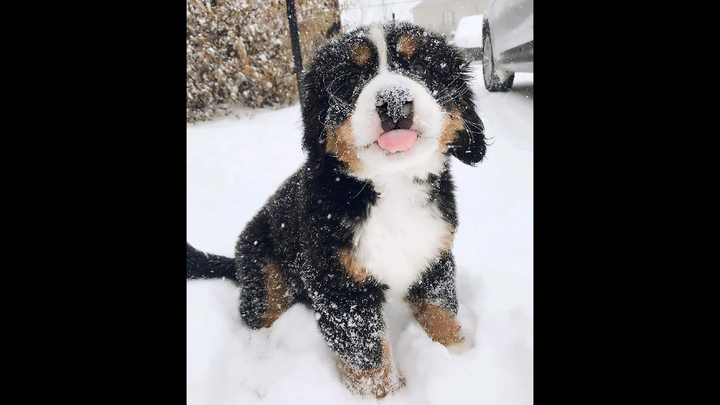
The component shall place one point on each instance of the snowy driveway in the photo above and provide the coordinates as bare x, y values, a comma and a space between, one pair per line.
234, 165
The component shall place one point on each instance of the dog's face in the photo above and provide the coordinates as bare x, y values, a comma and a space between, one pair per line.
393, 98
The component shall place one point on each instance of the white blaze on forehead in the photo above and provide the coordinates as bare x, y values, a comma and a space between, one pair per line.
377, 36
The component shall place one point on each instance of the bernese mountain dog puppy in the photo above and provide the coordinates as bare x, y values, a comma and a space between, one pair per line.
371, 213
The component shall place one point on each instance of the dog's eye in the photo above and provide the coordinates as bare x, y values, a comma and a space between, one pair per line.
355, 78
419, 69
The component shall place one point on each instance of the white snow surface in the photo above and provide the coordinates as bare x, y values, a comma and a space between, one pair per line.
235, 163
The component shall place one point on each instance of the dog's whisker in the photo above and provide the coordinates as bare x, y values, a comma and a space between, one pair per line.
363, 188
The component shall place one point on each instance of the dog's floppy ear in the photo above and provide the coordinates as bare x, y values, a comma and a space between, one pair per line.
313, 132
469, 144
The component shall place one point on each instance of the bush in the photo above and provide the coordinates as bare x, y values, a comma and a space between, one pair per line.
239, 52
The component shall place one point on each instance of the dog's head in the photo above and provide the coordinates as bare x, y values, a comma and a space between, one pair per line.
391, 98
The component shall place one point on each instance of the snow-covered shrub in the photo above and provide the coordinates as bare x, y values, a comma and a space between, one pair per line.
239, 52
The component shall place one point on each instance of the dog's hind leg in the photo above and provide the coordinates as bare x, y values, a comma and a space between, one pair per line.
264, 293
434, 302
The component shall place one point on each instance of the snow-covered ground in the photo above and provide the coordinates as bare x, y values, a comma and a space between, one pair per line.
234, 164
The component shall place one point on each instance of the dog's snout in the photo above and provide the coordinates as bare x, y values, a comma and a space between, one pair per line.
394, 105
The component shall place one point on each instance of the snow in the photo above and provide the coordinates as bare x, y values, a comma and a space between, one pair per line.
469, 32
356, 13
233, 166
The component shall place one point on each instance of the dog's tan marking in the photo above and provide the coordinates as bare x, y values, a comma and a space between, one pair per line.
361, 55
277, 299
407, 45
451, 126
340, 142
379, 381
447, 240
440, 325
353, 267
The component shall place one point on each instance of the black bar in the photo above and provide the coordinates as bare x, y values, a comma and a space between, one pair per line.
295, 39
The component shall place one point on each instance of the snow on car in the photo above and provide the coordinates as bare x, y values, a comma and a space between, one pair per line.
469, 35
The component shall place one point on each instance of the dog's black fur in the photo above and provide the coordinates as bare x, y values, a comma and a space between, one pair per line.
313, 215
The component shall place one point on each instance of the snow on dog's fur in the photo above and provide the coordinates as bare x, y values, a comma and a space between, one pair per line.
372, 211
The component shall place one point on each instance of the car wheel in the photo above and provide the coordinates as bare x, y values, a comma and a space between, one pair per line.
494, 78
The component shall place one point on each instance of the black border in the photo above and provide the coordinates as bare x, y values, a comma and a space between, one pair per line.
580, 137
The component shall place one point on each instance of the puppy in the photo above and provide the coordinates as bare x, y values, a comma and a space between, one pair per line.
371, 213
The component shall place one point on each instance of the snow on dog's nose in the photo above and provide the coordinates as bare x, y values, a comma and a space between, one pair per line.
394, 105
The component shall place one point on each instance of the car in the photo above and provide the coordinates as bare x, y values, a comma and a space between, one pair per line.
507, 42
468, 36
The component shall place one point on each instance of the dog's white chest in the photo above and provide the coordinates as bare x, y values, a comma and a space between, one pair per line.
402, 235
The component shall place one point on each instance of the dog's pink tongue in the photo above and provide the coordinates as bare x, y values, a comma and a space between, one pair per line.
398, 140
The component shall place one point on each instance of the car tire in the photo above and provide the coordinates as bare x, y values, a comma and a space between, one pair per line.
491, 76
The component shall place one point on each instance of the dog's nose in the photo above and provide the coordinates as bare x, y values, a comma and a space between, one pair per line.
394, 105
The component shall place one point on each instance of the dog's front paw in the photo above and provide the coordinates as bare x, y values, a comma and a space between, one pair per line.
373, 382
459, 348
377, 382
